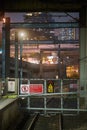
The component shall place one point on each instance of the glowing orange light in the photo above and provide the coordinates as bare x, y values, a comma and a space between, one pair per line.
4, 20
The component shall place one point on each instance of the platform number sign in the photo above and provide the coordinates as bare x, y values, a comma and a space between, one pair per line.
50, 86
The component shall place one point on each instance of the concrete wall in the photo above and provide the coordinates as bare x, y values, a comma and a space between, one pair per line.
9, 115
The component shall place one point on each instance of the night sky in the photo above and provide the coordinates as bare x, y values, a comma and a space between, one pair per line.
15, 17
18, 17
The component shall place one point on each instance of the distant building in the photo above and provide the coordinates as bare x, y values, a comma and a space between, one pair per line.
39, 17
50, 59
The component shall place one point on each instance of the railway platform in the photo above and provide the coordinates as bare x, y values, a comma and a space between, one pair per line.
9, 112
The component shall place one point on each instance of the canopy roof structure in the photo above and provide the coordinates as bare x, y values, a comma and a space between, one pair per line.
41, 5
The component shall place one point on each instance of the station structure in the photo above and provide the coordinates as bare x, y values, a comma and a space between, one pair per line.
42, 95
42, 90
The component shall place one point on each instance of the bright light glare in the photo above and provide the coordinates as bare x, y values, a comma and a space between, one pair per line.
4, 20
22, 35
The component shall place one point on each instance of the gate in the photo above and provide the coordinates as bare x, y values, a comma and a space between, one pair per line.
51, 95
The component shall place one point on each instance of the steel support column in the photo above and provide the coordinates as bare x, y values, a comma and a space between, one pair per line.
16, 62
6, 51
83, 51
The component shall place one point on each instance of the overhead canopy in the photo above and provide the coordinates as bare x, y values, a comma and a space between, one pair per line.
41, 5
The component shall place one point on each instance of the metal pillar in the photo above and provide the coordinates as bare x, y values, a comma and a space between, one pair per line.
59, 63
6, 52
83, 51
45, 99
16, 62
41, 67
21, 43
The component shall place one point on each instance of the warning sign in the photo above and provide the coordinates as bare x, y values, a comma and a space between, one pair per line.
36, 88
50, 87
24, 88
31, 88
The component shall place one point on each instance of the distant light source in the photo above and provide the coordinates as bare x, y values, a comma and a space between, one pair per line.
0, 51
22, 35
57, 76
29, 14
4, 20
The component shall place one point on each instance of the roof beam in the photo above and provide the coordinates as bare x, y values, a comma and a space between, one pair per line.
41, 5
48, 25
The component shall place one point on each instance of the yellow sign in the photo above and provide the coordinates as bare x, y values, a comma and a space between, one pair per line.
50, 88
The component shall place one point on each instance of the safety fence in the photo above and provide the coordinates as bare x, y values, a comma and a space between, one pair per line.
49, 95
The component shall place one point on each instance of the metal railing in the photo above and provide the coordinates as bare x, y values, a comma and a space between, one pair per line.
51, 95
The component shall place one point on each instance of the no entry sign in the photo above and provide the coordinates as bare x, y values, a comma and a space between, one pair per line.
24, 88
31, 88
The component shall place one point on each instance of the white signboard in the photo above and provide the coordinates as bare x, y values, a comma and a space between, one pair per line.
24, 88
11, 86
